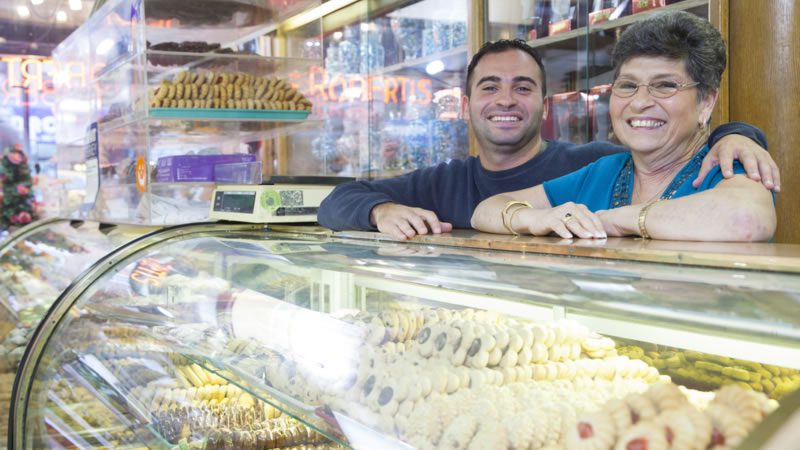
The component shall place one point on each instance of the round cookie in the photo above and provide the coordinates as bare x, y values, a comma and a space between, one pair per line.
591, 432
642, 408
643, 435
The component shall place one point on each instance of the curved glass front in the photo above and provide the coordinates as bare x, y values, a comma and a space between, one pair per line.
36, 265
235, 339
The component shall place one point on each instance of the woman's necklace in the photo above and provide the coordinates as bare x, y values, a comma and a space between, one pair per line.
627, 186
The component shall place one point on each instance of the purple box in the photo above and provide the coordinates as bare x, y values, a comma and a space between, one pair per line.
194, 167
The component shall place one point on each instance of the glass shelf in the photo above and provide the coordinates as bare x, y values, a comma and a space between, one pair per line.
453, 59
614, 24
227, 114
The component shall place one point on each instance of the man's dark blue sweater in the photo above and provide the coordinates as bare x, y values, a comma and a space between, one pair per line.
453, 190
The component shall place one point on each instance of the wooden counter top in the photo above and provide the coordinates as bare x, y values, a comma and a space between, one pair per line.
756, 256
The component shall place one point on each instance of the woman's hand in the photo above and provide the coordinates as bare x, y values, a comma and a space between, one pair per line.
619, 222
568, 220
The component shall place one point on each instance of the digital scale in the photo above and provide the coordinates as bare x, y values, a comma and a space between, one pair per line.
281, 199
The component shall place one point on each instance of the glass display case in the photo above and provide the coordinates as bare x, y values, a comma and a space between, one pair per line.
36, 264
180, 96
575, 39
211, 336
390, 89
370, 90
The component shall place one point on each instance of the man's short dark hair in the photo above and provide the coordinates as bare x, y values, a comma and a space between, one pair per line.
676, 35
500, 46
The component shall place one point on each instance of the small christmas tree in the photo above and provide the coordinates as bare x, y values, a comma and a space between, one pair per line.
17, 194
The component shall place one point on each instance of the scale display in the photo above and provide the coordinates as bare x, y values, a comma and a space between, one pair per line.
243, 202
268, 203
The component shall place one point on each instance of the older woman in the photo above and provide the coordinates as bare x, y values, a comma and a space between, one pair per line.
668, 70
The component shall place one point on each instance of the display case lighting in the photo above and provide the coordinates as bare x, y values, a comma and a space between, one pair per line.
314, 14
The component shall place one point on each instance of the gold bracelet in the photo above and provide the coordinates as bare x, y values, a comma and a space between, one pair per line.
642, 217
504, 215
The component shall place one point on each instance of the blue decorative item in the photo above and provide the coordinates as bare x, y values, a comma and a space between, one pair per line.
418, 144
349, 52
371, 49
409, 35
441, 36
333, 59
391, 47
458, 33
428, 39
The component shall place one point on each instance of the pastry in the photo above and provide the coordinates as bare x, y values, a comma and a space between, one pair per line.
591, 432
460, 432
644, 435
666, 396
641, 407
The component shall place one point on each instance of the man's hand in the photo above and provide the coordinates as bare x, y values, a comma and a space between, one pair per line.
404, 222
756, 161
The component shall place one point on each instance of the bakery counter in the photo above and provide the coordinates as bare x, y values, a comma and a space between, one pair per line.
234, 336
757, 256
36, 264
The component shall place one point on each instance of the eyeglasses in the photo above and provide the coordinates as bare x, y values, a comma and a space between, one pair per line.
659, 89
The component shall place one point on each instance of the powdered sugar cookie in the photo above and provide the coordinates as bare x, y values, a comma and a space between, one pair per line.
460, 432
525, 356
494, 357
539, 372
489, 437
509, 359
502, 337
524, 372
540, 353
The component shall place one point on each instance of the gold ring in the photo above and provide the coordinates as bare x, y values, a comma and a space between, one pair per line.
567, 218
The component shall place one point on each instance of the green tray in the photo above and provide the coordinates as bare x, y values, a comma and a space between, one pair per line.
227, 114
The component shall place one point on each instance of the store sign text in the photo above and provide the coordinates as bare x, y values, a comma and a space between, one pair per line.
357, 87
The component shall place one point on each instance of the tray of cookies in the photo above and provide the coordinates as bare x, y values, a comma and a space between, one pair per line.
227, 95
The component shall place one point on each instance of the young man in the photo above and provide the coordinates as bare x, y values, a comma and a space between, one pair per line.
504, 104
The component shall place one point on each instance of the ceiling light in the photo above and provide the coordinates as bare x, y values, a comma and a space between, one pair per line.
23, 11
37, 2
434, 67
61, 16
75, 5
